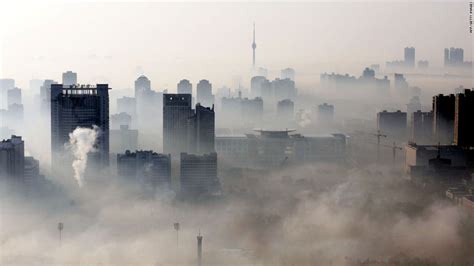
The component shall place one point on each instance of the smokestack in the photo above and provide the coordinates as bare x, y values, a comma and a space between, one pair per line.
199, 249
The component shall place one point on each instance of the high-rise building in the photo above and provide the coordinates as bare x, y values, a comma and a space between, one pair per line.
146, 167
69, 78
120, 119
204, 93
149, 105
288, 73
45, 96
443, 118
285, 110
400, 81
79, 106
410, 56
5, 85
176, 111
463, 123
127, 105
14, 96
184, 86
283, 89
123, 139
393, 124
422, 127
201, 130
198, 174
413, 106
12, 159
259, 84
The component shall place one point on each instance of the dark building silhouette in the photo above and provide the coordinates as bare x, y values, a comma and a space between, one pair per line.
185, 87
198, 174
151, 169
12, 159
201, 130
463, 119
393, 124
79, 106
204, 93
422, 127
176, 111
443, 118
69, 78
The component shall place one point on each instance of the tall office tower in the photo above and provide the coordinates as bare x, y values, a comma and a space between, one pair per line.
410, 56
254, 46
463, 123
393, 124
422, 127
283, 89
123, 139
198, 174
84, 107
256, 84
12, 159
184, 86
149, 105
5, 85
45, 96
120, 119
252, 109
446, 57
456, 56
127, 105
14, 96
204, 93
443, 118
288, 73
142, 84
201, 130
176, 111
285, 110
151, 169
325, 113
31, 175
69, 78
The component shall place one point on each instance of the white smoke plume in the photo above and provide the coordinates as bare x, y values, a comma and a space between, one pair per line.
81, 143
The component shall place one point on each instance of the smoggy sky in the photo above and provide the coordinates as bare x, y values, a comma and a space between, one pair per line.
113, 42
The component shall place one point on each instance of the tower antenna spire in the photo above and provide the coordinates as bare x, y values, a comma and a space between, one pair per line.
254, 46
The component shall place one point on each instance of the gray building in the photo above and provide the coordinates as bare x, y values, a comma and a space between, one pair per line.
269, 149
5, 85
14, 96
176, 111
69, 78
123, 139
201, 130
325, 113
285, 110
393, 124
288, 73
198, 174
79, 106
12, 159
120, 119
422, 127
204, 94
185, 87
148, 168
127, 105
45, 97
409, 56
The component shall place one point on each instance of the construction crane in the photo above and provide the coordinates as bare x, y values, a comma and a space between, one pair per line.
394, 150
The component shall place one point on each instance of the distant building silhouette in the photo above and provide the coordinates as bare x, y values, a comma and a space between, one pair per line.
45, 97
69, 78
184, 86
410, 56
123, 139
12, 159
393, 124
120, 119
5, 85
127, 105
422, 127
204, 93
288, 73
151, 169
285, 110
14, 96
325, 113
